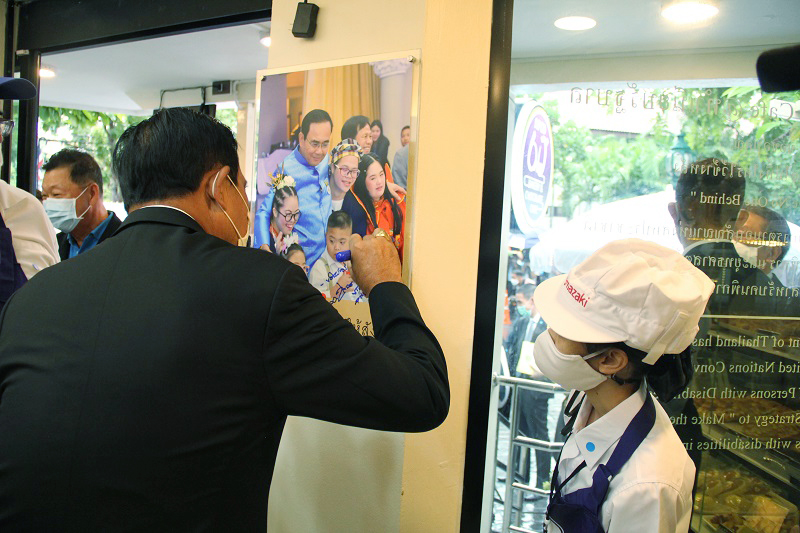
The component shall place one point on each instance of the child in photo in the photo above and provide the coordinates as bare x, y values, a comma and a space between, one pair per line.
285, 213
296, 255
330, 276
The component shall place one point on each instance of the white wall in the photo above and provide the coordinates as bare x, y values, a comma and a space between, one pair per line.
446, 201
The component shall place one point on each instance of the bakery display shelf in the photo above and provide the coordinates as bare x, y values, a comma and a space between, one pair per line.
733, 497
732, 333
781, 465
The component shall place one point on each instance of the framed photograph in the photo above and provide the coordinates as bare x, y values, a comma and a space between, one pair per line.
336, 152
335, 156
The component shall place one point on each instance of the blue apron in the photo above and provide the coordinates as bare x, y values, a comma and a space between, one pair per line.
579, 511
11, 275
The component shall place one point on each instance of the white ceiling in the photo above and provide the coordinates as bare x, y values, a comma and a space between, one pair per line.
128, 77
636, 27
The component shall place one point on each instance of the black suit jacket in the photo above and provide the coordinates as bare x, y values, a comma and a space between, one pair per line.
144, 385
63, 242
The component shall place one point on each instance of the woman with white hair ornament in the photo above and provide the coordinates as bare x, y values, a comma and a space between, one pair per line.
620, 324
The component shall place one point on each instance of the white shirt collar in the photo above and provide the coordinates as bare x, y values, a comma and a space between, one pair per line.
698, 243
594, 440
170, 207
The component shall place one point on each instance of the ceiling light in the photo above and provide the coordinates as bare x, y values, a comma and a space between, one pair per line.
47, 72
575, 23
266, 40
688, 11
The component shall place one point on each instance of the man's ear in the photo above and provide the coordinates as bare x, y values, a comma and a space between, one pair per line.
300, 137
672, 207
213, 185
94, 192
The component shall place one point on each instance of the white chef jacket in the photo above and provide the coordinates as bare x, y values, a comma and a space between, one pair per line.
32, 234
652, 493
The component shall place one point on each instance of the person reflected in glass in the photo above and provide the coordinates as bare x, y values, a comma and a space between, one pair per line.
372, 206
708, 197
762, 238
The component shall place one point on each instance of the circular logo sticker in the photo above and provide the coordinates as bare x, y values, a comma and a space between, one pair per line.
531, 168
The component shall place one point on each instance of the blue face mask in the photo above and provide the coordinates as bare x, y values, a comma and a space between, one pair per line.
523, 311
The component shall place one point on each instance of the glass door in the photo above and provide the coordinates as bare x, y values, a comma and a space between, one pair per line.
645, 120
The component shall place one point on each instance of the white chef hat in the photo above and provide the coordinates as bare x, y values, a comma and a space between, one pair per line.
632, 291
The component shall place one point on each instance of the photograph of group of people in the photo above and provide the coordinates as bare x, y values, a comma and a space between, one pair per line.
323, 183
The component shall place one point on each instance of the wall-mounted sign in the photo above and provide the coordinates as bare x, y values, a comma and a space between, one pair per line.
531, 169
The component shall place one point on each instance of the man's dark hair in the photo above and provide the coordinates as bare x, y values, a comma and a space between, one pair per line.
776, 230
404, 128
352, 126
340, 220
720, 182
167, 155
315, 116
83, 169
526, 290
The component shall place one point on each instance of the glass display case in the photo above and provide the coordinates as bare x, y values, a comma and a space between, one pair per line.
747, 396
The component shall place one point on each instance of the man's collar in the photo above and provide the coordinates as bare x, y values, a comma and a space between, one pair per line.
96, 232
164, 214
700, 243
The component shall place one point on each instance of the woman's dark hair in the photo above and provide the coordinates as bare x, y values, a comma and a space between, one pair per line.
295, 248
378, 123
668, 377
360, 190
167, 155
352, 126
281, 195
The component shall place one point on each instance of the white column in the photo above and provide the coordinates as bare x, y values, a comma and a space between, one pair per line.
395, 75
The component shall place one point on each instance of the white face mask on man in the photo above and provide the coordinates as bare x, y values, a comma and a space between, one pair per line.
568, 370
63, 213
243, 240
748, 253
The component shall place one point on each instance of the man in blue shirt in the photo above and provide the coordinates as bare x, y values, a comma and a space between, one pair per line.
72, 194
308, 165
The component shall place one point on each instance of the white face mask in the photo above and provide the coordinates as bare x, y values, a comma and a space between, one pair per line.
244, 240
569, 371
748, 253
62, 212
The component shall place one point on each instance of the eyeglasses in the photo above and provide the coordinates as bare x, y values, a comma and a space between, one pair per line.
316, 145
6, 127
351, 172
289, 216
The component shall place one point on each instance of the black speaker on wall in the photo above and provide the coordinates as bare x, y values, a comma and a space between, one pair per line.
305, 21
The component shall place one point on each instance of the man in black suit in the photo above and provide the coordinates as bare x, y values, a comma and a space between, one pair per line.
72, 194
533, 405
154, 400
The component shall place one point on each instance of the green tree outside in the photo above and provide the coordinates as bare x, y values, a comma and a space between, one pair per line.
97, 133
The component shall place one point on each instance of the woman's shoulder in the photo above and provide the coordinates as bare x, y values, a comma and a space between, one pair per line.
350, 202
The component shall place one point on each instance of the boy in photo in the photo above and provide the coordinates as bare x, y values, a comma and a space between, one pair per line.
330, 276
